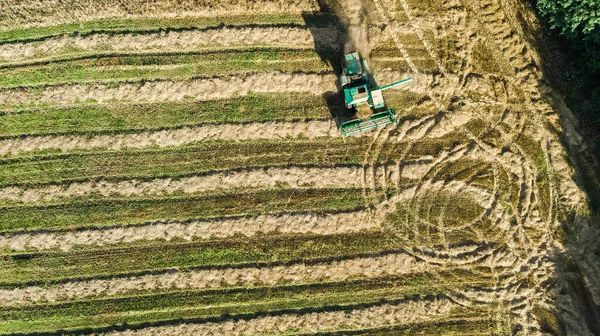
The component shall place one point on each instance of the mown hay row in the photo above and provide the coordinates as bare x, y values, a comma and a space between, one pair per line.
174, 41
370, 267
361, 318
168, 90
309, 223
37, 13
169, 138
294, 177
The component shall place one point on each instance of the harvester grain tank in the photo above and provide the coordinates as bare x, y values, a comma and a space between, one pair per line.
359, 89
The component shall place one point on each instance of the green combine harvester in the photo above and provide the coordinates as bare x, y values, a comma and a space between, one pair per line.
358, 90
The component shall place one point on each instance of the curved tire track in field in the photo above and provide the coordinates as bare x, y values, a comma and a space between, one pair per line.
173, 41
219, 228
343, 270
519, 243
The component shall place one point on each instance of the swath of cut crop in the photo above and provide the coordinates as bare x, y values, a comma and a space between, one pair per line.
170, 138
174, 41
168, 90
295, 177
311, 223
370, 267
37, 13
404, 313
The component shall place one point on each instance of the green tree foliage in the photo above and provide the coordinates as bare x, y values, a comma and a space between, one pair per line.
579, 21
574, 18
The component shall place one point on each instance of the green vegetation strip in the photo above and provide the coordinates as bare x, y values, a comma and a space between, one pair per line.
175, 307
112, 118
146, 25
180, 161
156, 256
162, 67
89, 213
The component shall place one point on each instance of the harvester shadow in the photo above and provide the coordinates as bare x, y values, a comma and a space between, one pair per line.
320, 25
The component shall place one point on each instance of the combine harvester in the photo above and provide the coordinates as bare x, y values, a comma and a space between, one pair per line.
358, 90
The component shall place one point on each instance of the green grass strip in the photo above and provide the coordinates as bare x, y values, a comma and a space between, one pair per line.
88, 213
179, 67
143, 25
181, 161
50, 267
108, 118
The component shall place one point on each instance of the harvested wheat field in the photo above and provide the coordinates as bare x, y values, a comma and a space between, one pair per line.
173, 168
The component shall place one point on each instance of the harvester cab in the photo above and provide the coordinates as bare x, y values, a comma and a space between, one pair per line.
359, 89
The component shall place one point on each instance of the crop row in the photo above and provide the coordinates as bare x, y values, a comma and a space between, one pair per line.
52, 144
388, 265
274, 302
30, 14
90, 213
168, 90
192, 230
202, 304
238, 181
155, 25
185, 135
323, 38
158, 257
180, 161
175, 66
110, 118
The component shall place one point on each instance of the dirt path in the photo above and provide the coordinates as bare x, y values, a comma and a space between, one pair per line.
37, 13
294, 177
173, 41
392, 264
221, 228
167, 138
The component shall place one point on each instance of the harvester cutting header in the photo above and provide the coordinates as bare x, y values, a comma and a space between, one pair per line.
359, 89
